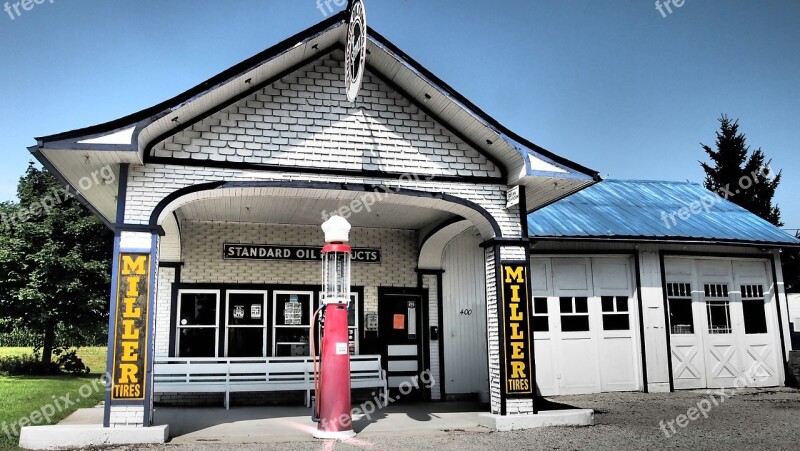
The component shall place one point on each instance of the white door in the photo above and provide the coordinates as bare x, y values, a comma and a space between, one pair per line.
616, 323
464, 315
721, 350
728, 336
584, 325
688, 364
760, 356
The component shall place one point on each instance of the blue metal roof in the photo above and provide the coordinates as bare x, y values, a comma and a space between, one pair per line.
652, 210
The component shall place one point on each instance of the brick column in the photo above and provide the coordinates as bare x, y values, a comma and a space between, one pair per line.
509, 341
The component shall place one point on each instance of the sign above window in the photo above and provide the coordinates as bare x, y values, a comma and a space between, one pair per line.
292, 253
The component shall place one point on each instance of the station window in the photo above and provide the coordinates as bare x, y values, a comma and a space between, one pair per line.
574, 314
291, 323
679, 297
246, 321
755, 317
197, 334
615, 313
540, 321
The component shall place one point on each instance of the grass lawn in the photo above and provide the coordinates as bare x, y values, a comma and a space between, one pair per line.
93, 357
34, 397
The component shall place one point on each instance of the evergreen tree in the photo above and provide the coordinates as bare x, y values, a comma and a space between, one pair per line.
740, 176
791, 268
55, 258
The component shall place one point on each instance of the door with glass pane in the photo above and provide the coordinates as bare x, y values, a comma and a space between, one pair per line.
760, 355
722, 355
246, 319
688, 363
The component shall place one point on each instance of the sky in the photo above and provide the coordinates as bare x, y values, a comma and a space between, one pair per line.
614, 85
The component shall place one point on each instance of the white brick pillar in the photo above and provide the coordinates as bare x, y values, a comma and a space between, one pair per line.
509, 340
131, 330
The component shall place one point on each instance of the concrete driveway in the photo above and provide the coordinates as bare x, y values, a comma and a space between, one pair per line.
745, 419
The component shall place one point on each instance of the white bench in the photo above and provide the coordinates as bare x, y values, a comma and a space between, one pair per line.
236, 375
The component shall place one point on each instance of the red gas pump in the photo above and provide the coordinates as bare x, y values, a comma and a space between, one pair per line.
332, 382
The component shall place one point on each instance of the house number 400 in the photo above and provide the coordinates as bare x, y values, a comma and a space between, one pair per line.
466, 311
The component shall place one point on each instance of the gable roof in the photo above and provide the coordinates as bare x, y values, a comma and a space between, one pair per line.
628, 210
131, 138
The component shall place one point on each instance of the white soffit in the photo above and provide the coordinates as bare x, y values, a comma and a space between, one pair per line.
121, 137
538, 164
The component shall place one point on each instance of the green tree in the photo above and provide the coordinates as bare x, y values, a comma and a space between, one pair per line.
55, 257
791, 268
739, 175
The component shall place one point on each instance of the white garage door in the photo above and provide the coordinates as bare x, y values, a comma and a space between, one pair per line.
723, 323
585, 323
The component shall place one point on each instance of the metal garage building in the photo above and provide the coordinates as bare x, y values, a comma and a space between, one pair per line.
629, 302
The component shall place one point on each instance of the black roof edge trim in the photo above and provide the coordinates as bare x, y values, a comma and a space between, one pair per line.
37, 153
222, 77
475, 109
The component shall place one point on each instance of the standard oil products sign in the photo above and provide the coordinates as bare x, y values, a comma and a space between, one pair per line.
292, 253
517, 346
130, 327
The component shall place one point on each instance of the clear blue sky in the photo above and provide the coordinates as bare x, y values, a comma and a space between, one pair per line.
612, 85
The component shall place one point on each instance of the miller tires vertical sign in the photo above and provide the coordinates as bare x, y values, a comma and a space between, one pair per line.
128, 379
518, 343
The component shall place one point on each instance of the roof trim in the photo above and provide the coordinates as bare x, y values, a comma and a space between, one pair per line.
666, 240
492, 123
211, 83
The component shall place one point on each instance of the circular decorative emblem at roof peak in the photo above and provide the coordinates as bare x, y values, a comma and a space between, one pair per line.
356, 50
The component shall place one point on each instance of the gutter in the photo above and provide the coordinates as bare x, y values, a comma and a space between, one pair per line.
665, 240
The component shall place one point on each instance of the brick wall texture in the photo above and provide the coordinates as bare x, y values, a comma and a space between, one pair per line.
305, 120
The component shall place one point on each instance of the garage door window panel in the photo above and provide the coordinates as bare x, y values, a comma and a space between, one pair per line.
718, 308
615, 313
540, 319
679, 297
574, 314
753, 308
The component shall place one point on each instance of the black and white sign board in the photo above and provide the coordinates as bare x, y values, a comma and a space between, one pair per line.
292, 253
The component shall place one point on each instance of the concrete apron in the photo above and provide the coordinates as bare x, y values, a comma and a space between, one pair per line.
287, 424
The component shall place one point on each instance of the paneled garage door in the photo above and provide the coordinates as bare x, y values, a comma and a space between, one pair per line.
723, 323
585, 323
